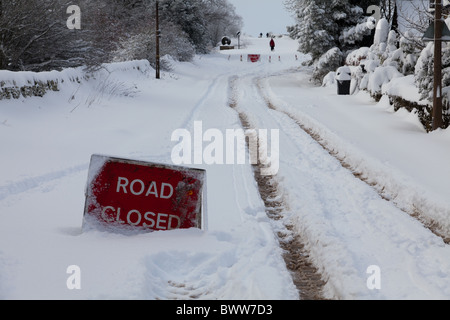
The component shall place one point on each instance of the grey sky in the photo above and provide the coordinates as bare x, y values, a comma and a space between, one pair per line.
263, 16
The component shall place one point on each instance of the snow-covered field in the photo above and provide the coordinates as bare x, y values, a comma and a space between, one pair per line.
47, 144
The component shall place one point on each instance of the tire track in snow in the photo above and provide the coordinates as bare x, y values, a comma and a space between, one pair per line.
345, 215
21, 186
212, 89
305, 274
365, 177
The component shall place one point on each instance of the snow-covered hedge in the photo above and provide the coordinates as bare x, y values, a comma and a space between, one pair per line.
386, 80
394, 67
374, 81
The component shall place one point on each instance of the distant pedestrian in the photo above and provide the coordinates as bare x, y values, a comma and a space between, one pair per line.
272, 44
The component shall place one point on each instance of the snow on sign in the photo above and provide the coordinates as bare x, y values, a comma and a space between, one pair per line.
132, 195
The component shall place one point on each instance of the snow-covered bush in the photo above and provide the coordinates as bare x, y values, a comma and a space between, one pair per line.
381, 32
389, 57
328, 62
174, 42
381, 76
355, 57
379, 46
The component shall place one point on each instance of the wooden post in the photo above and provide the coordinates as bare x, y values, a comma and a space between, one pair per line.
437, 90
158, 35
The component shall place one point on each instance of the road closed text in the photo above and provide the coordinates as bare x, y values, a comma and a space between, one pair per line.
134, 217
138, 187
158, 221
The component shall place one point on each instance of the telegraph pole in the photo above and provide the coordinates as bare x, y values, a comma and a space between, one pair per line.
158, 36
437, 90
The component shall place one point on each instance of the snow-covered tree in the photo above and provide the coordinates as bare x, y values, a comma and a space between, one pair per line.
186, 27
205, 22
424, 73
415, 19
222, 20
313, 30
424, 70
141, 45
188, 16
410, 54
323, 25
388, 10
338, 23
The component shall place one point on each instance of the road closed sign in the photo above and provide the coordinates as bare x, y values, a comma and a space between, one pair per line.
125, 194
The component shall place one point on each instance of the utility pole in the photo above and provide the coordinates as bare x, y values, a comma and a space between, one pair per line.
239, 39
437, 90
158, 36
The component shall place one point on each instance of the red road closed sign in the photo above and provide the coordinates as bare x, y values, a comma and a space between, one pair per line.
126, 194
254, 57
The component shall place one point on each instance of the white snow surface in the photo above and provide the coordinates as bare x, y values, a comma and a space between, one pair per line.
124, 112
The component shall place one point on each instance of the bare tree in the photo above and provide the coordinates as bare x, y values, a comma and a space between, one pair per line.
387, 9
34, 33
221, 20
414, 19
34, 36
23, 26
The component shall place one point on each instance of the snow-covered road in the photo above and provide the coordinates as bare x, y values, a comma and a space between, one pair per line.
348, 228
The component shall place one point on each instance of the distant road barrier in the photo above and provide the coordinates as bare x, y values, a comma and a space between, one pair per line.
254, 57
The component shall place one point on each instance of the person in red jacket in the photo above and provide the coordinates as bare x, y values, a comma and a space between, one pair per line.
272, 44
